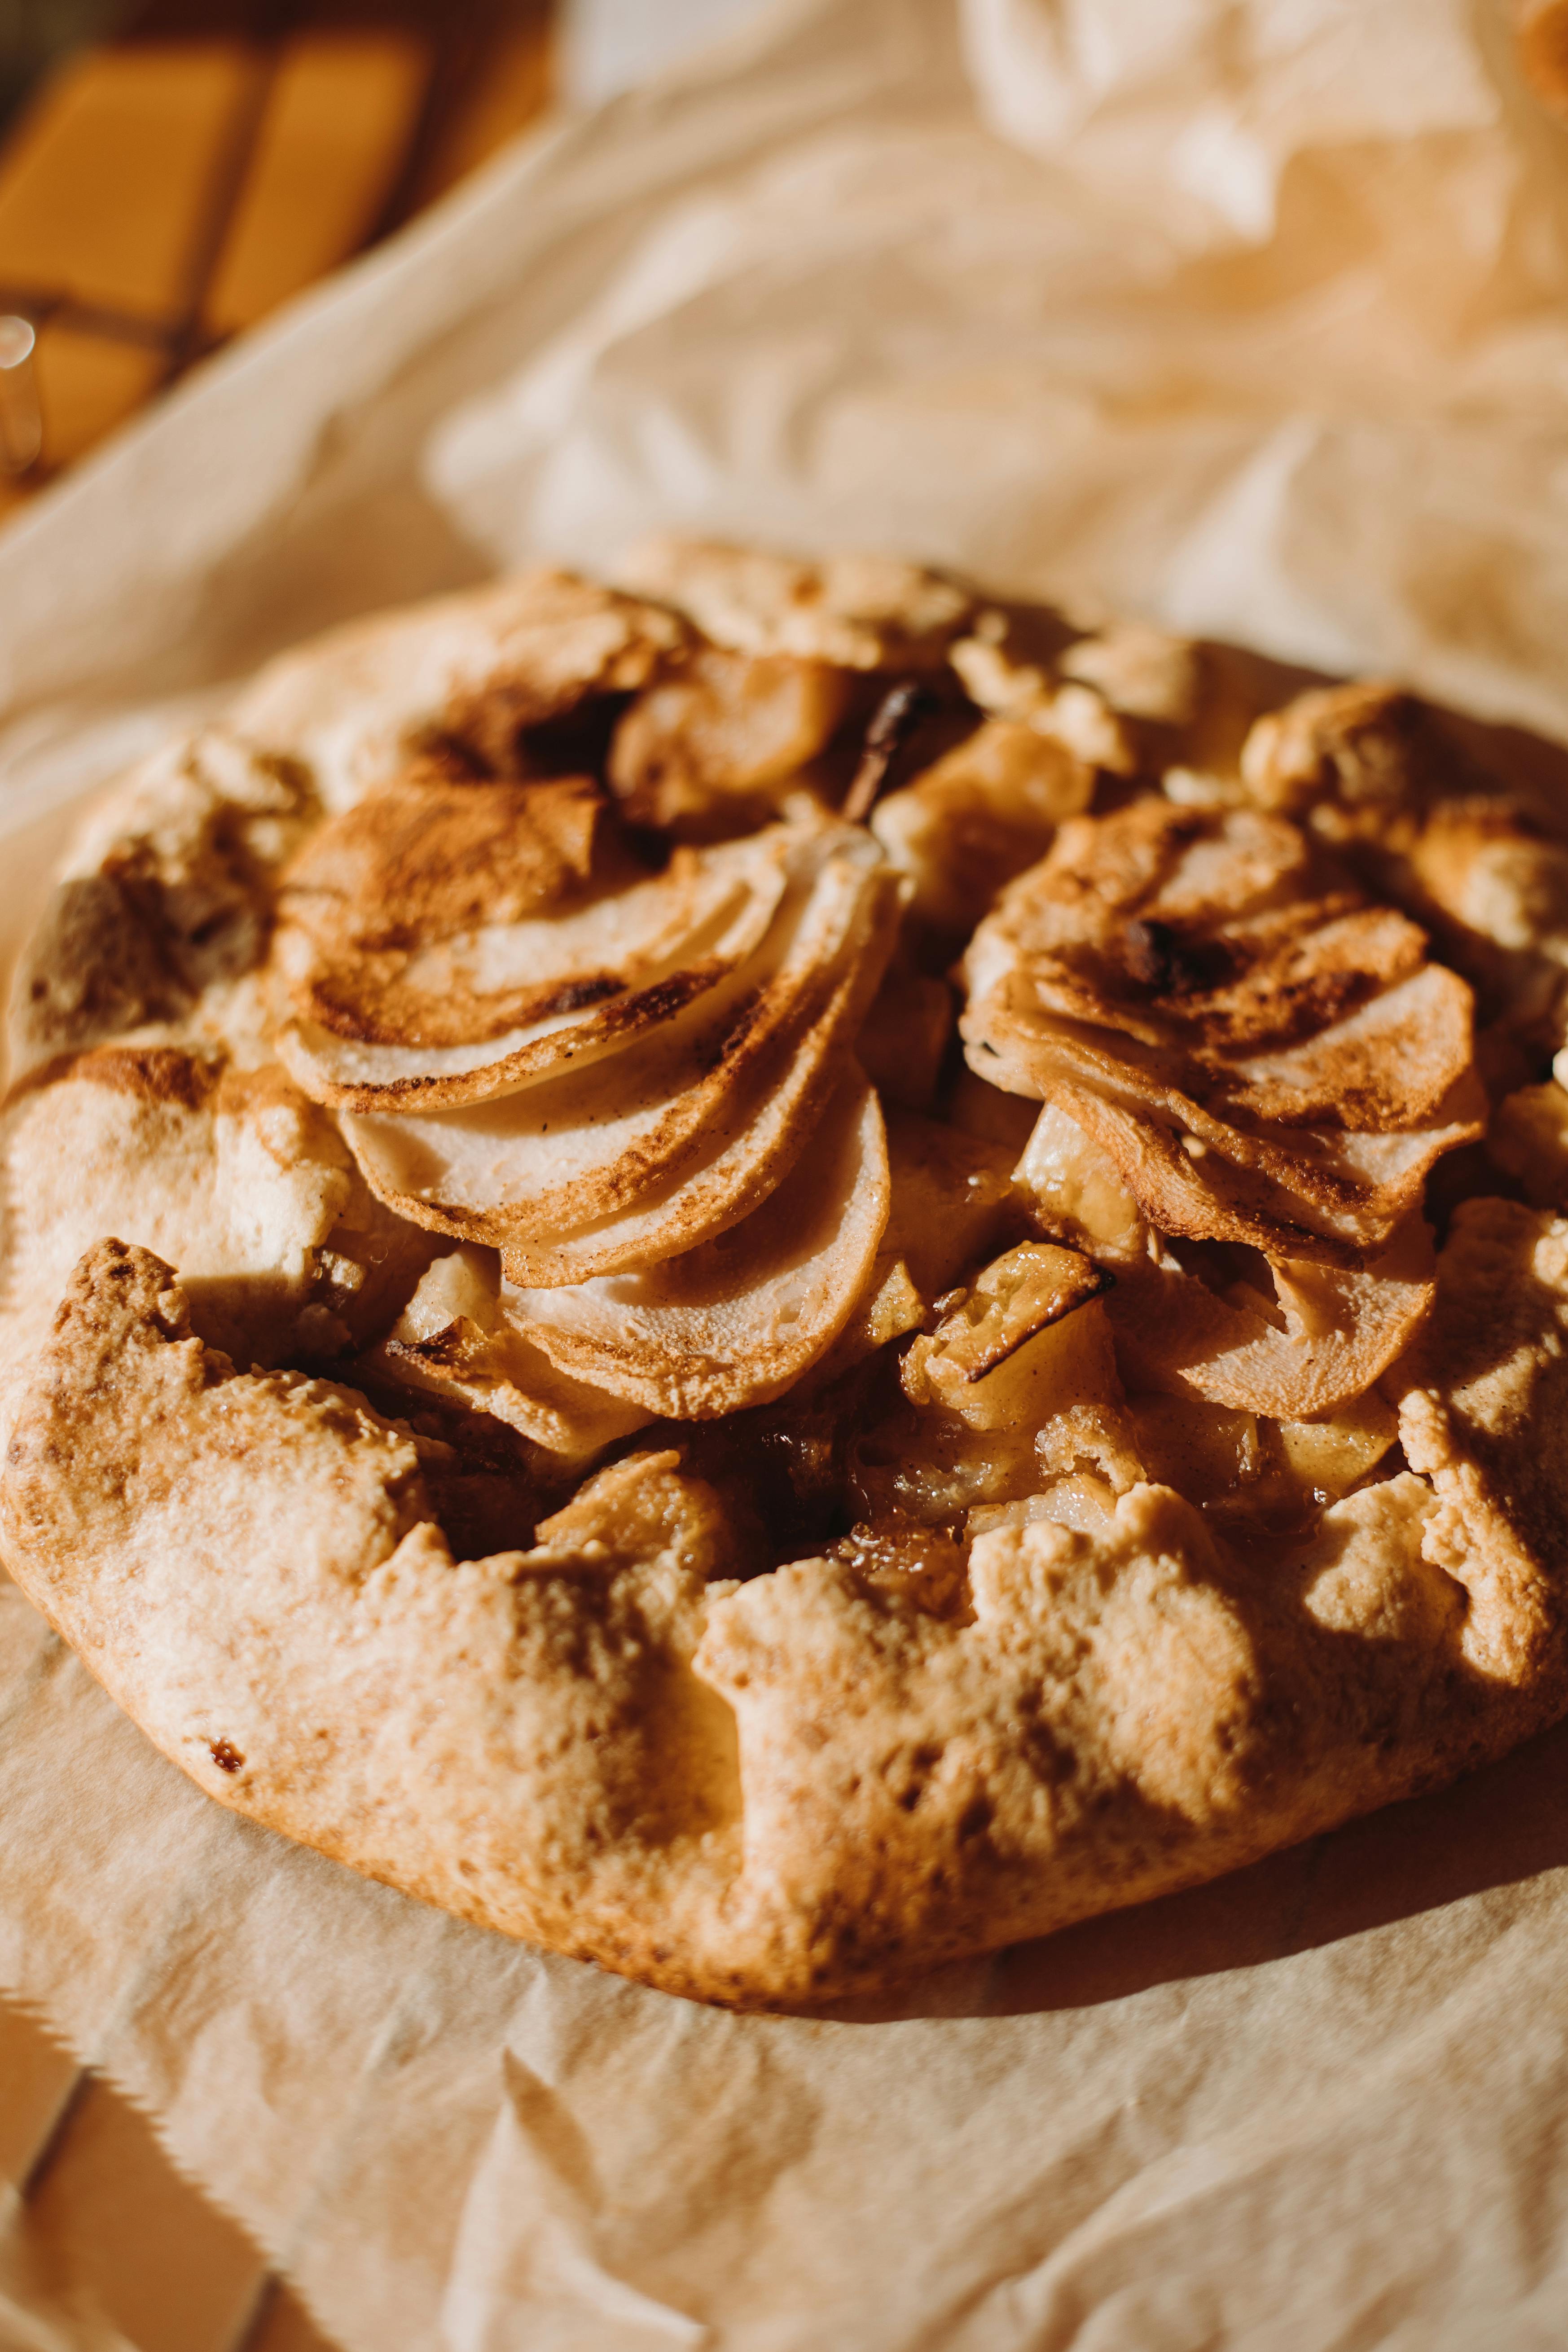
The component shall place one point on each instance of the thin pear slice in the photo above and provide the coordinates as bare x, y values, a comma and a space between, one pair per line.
451, 1340
589, 980
535, 1166
737, 1321
1385, 1067
1321, 1342
752, 1142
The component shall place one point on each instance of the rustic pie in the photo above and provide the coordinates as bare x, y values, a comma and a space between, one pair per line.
781, 1272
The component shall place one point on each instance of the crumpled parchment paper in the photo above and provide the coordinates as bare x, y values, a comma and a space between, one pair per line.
1248, 315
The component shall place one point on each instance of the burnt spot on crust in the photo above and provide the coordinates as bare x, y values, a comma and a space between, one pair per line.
749, 1017
225, 1755
578, 993
1160, 959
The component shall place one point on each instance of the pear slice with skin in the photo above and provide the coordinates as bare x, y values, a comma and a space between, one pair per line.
594, 978
1320, 1344
601, 1142
451, 1341
736, 1322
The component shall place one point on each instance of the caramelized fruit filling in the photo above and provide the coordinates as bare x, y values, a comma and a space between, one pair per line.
1161, 1221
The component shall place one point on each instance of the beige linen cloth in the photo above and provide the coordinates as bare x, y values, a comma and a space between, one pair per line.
1250, 315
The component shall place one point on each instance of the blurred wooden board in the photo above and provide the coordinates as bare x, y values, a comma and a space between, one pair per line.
105, 184
36, 2079
164, 192
108, 2222
109, 2213
339, 115
514, 84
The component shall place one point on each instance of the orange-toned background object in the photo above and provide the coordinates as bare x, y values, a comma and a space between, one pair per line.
108, 2225
166, 189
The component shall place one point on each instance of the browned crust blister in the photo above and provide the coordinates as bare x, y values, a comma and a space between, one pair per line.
398, 904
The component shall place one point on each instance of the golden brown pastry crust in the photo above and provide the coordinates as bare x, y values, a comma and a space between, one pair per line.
803, 1784
636, 1740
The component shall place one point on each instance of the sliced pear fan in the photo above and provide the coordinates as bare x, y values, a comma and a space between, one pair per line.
1263, 1059
1226, 947
436, 912
1327, 1192
735, 1322
586, 981
557, 1158
751, 1146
